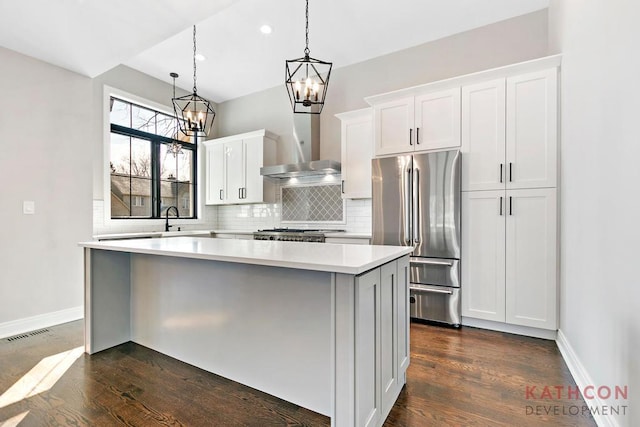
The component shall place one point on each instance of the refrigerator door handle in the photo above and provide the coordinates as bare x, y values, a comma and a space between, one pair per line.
407, 208
416, 206
416, 260
432, 290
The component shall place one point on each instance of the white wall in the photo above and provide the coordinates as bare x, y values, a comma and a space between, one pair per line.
46, 156
514, 40
600, 207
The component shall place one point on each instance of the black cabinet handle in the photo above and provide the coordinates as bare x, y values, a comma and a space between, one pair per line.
342, 186
221, 194
417, 135
411, 136
500, 205
510, 172
510, 205
501, 165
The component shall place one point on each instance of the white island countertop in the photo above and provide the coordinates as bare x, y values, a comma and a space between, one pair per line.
329, 257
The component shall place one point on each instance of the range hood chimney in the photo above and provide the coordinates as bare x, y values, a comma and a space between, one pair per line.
306, 152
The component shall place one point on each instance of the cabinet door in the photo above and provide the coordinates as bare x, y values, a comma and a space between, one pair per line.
389, 333
437, 120
215, 175
393, 126
367, 331
532, 112
531, 265
403, 319
357, 152
483, 136
483, 255
253, 189
235, 163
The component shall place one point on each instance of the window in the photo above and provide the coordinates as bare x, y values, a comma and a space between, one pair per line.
146, 175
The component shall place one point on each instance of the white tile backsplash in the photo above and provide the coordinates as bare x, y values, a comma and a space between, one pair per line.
261, 216
238, 217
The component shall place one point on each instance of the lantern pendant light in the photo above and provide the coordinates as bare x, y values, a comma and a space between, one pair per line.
195, 114
307, 79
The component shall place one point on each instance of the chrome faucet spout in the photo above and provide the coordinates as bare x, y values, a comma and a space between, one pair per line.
166, 214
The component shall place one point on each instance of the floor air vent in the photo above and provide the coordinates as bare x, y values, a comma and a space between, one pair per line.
27, 335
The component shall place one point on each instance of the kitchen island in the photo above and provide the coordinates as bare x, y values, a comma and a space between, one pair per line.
324, 326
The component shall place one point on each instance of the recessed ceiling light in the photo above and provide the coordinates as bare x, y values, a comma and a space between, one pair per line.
200, 57
266, 29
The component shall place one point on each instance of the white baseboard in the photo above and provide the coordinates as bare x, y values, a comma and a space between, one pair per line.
40, 321
511, 329
583, 379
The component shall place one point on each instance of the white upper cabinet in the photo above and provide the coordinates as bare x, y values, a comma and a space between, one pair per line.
236, 167
483, 136
424, 121
532, 133
216, 182
233, 168
509, 132
437, 120
357, 152
393, 126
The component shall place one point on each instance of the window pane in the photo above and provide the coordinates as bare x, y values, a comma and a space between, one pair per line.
140, 197
176, 188
120, 113
130, 177
185, 162
166, 125
140, 157
143, 119
168, 163
120, 154
185, 200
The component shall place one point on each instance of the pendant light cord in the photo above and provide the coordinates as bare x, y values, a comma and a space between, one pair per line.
194, 59
306, 49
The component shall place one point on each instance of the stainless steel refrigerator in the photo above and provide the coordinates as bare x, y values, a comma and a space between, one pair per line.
416, 202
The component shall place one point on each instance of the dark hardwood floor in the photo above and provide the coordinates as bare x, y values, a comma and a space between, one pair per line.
457, 377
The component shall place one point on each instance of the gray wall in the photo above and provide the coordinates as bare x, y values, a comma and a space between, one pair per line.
498, 44
47, 157
600, 207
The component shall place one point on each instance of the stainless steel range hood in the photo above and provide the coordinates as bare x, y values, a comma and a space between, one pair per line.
306, 134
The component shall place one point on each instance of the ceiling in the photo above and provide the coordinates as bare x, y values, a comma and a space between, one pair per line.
155, 36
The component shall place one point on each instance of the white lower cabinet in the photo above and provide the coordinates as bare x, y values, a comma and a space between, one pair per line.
509, 247
382, 340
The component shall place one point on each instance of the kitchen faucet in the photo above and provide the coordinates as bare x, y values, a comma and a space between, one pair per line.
166, 225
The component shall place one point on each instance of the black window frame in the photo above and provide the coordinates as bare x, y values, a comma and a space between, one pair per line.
157, 141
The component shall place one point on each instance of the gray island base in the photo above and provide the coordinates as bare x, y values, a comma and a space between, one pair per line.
324, 326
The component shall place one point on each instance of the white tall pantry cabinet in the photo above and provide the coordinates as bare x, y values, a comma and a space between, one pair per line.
509, 199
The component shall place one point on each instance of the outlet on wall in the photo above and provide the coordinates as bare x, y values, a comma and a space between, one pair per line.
28, 207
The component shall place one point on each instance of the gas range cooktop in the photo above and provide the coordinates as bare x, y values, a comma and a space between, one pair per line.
292, 234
